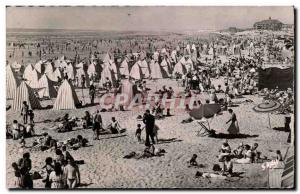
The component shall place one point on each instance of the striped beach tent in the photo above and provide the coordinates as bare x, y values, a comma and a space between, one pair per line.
11, 82
91, 70
179, 68
136, 72
288, 175
145, 68
40, 66
55, 75
107, 73
25, 93
79, 73
124, 70
165, 67
27, 72
46, 88
33, 81
48, 68
66, 97
155, 70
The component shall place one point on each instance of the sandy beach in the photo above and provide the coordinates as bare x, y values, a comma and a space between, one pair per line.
105, 166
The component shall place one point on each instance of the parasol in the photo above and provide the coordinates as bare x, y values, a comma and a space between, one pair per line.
267, 107
205, 111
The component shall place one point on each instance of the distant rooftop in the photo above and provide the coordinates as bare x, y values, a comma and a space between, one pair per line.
269, 21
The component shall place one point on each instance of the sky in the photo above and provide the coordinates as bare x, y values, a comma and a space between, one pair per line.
143, 18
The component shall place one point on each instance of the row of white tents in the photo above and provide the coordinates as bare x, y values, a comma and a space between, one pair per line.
40, 80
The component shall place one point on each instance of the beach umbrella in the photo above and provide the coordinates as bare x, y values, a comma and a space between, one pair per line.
267, 107
205, 111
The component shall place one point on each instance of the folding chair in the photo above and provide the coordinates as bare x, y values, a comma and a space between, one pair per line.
203, 131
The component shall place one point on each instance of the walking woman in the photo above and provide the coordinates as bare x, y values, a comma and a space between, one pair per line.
234, 127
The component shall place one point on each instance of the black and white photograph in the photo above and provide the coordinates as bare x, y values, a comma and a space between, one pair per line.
150, 97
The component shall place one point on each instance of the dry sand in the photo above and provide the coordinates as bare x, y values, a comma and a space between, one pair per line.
105, 167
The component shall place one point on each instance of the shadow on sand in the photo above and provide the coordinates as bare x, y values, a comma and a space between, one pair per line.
113, 137
232, 136
172, 140
281, 129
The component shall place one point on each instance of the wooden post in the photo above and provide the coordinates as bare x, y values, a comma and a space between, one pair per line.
269, 120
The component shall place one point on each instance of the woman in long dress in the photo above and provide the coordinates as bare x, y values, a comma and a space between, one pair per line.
234, 127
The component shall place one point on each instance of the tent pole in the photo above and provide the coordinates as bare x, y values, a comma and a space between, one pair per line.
269, 120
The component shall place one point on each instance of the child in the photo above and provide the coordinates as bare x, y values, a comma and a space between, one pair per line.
193, 161
31, 117
138, 132
18, 180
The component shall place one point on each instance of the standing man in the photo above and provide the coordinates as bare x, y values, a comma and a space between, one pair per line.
24, 112
92, 93
97, 124
149, 121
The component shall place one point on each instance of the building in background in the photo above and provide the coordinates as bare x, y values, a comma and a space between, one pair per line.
269, 24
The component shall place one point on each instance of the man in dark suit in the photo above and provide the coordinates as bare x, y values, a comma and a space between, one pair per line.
149, 121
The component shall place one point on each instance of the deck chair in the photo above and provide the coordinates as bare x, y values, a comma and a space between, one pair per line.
203, 130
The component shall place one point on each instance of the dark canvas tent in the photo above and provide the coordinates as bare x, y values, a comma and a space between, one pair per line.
273, 77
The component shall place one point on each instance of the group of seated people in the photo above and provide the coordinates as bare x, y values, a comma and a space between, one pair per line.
47, 142
244, 154
19, 131
285, 98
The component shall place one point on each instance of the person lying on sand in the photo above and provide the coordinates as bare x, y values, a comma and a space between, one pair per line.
210, 175
149, 151
76, 143
44, 143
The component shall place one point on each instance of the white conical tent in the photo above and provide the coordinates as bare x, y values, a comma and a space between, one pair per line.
124, 70
70, 70
48, 68
79, 65
165, 67
106, 58
34, 79
155, 70
136, 72
113, 68
79, 73
12, 82
25, 93
145, 69
27, 72
16, 65
46, 88
179, 68
107, 73
54, 75
189, 64
66, 97
91, 70
40, 66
